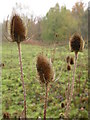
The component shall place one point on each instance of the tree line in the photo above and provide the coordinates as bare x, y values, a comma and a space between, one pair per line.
58, 24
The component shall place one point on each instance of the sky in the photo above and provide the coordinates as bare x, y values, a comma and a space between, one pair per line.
35, 7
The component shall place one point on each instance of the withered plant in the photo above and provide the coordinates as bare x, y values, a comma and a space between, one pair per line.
18, 34
46, 75
76, 44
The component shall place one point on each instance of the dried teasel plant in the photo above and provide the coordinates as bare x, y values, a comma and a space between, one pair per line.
18, 30
46, 75
44, 69
68, 59
76, 44
68, 63
71, 61
18, 34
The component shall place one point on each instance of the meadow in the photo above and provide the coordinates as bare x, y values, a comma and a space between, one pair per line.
12, 93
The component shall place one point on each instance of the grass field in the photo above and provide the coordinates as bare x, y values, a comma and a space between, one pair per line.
12, 98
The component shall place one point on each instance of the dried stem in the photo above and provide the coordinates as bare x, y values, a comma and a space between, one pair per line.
45, 104
68, 87
72, 88
21, 68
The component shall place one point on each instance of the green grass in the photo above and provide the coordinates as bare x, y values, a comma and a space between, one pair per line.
12, 98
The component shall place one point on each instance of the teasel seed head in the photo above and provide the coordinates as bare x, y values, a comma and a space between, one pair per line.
76, 43
17, 29
68, 59
44, 69
68, 67
71, 60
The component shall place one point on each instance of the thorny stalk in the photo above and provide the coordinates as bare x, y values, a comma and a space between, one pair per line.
45, 102
23, 85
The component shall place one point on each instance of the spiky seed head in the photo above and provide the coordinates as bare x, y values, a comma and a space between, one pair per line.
17, 29
68, 67
71, 60
68, 59
76, 43
44, 69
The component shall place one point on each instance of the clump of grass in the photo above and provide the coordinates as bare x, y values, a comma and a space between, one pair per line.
18, 34
76, 45
46, 75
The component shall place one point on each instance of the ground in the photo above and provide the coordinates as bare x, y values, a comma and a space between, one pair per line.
12, 93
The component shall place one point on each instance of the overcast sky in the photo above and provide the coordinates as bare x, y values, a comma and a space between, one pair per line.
35, 7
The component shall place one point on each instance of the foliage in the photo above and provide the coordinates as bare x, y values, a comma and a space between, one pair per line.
59, 23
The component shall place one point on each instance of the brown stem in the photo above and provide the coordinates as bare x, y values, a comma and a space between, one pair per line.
45, 104
72, 87
21, 69
68, 87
